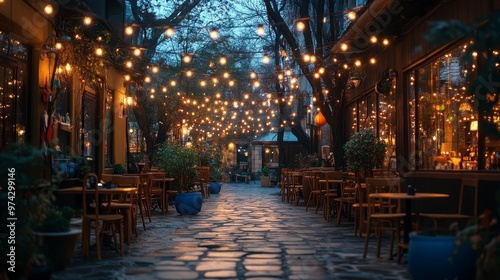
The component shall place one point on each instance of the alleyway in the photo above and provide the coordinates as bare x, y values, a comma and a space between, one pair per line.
245, 232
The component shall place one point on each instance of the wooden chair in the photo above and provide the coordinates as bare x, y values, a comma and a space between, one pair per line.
383, 214
204, 180
467, 183
315, 193
296, 186
130, 205
92, 214
158, 191
330, 183
346, 199
284, 183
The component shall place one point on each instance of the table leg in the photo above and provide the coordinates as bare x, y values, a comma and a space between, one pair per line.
407, 221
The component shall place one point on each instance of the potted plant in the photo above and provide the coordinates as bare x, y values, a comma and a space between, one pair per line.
363, 152
180, 163
31, 193
469, 253
264, 177
119, 169
57, 238
211, 155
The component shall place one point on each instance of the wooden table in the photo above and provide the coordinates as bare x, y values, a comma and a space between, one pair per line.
408, 213
109, 193
166, 184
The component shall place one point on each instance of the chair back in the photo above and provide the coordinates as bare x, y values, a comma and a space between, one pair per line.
337, 178
203, 173
471, 183
90, 181
107, 177
380, 185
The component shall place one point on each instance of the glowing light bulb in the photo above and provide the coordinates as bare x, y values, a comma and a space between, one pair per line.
169, 32
87, 20
351, 15
129, 30
99, 52
214, 34
266, 59
300, 26
260, 30
48, 9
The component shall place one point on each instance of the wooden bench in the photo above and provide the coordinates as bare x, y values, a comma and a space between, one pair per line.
246, 177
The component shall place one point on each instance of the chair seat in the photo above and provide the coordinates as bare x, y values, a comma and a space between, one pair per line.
388, 216
107, 217
444, 216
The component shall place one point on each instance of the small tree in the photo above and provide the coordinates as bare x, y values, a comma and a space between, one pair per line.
363, 152
178, 162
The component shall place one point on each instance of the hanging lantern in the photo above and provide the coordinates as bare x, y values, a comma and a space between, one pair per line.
319, 119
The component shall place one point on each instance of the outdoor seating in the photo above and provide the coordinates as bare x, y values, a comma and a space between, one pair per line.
315, 193
129, 205
203, 180
92, 214
460, 215
383, 214
330, 183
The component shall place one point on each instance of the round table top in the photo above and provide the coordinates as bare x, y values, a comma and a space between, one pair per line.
418, 195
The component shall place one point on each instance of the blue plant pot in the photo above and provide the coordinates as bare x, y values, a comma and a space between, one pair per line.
71, 169
440, 257
188, 203
215, 187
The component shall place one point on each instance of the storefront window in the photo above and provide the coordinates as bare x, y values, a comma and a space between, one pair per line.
353, 111
89, 125
443, 115
13, 102
377, 112
108, 135
387, 124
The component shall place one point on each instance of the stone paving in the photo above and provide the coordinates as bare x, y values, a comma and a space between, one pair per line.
245, 232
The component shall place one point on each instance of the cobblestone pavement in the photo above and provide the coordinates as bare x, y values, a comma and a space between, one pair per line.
245, 232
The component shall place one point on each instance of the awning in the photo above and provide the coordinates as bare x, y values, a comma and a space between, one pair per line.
272, 137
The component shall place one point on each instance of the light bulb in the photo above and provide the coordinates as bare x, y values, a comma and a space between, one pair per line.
169, 32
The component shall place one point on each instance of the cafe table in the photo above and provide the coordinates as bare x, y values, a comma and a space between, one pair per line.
109, 193
159, 179
408, 212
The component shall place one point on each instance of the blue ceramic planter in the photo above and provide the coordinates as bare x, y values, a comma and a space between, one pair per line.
439, 257
215, 187
188, 203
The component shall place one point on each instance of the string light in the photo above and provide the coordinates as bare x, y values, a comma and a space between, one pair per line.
99, 51
129, 30
373, 39
186, 58
48, 9
260, 30
266, 59
214, 34
87, 20
344, 47
351, 15
300, 26
169, 32
223, 60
